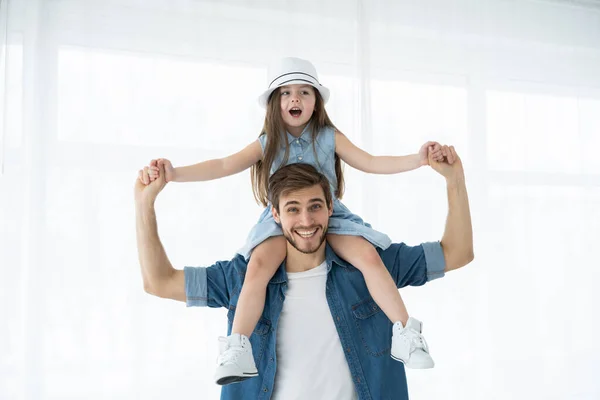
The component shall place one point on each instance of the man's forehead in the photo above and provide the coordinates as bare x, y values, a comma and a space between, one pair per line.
304, 196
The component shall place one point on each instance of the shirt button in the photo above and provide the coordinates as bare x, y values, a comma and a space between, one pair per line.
348, 349
338, 318
297, 141
300, 158
265, 390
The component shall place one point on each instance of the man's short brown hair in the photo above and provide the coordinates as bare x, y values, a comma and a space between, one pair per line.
294, 177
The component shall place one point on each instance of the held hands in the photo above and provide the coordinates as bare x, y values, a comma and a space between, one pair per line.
433, 148
145, 191
153, 171
450, 167
152, 179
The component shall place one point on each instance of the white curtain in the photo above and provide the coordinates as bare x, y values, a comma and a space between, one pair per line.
92, 90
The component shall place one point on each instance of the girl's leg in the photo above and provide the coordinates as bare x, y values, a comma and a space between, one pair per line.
362, 255
263, 264
408, 344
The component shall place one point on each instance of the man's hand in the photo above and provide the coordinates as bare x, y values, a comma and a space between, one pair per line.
430, 148
145, 192
154, 169
450, 167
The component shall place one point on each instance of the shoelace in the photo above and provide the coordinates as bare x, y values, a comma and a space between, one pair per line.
418, 341
230, 355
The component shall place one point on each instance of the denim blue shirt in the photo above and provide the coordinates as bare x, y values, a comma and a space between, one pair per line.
364, 330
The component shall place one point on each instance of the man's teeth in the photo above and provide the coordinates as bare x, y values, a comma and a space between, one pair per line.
306, 233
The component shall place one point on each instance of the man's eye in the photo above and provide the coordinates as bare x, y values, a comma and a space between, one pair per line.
316, 207
291, 210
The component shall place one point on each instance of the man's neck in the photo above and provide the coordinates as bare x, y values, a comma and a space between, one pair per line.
299, 262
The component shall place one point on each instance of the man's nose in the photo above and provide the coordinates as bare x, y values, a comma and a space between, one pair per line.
306, 219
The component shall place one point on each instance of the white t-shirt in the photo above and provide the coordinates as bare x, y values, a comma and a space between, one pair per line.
310, 359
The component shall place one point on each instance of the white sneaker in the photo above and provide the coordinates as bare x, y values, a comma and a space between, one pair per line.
235, 362
409, 346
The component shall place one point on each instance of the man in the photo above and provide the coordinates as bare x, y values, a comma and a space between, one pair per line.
334, 339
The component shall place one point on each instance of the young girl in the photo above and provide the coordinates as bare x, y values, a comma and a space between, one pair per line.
297, 129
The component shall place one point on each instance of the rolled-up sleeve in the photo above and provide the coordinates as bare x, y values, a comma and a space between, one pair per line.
209, 286
434, 258
196, 292
414, 265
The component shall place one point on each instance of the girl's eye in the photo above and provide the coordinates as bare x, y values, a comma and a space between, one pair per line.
284, 93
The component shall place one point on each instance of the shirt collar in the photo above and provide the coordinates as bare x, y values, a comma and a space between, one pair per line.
330, 257
304, 136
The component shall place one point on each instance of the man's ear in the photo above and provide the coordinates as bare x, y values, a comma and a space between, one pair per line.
275, 215
330, 209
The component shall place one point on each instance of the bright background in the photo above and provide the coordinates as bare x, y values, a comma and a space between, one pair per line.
92, 90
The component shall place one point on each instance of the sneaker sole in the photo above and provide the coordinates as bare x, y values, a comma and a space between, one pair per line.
413, 365
226, 380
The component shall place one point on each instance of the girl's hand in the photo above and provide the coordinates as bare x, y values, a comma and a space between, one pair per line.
430, 147
154, 168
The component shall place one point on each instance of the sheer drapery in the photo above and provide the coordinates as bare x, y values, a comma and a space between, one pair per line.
92, 90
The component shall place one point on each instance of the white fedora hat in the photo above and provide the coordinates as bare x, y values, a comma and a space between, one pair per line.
291, 71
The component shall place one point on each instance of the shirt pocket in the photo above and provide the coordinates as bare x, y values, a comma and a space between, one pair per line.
259, 336
373, 326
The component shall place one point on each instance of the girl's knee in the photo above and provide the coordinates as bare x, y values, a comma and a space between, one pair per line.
273, 248
262, 265
261, 268
369, 256
257, 274
357, 250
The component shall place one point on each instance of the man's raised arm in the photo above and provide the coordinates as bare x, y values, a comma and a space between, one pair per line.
159, 276
457, 241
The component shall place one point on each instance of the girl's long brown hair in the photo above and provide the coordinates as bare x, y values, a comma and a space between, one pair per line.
274, 129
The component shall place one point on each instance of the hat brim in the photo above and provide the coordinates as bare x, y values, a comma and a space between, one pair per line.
264, 98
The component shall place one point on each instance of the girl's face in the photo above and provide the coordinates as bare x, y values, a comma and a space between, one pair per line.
297, 106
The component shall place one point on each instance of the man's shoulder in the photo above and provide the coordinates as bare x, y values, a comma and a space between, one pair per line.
395, 253
237, 265
223, 272
398, 249
213, 285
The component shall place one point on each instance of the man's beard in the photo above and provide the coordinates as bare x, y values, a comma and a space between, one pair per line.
289, 237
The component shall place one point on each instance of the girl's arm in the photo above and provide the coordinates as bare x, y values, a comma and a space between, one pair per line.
222, 167
360, 159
